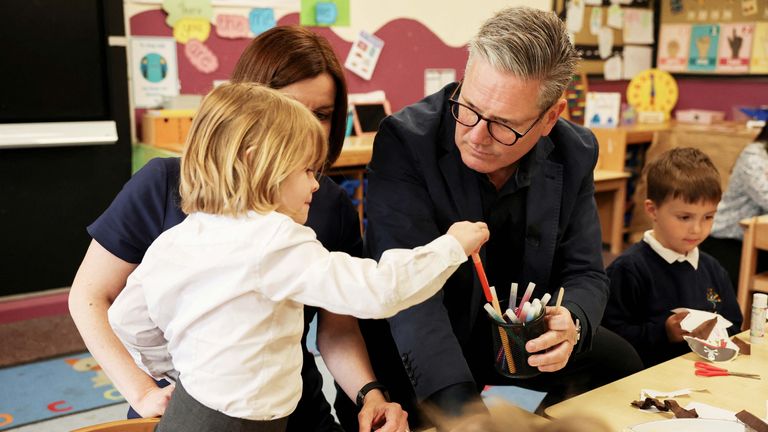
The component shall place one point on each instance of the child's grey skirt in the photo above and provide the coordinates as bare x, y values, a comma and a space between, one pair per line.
185, 414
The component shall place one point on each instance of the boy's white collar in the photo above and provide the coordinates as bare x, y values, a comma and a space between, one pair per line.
669, 255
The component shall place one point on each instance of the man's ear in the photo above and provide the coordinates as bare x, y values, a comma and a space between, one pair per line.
650, 209
551, 116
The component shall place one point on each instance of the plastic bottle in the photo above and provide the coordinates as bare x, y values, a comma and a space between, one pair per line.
757, 327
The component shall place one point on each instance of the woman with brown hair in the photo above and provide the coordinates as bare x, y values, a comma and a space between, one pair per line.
302, 65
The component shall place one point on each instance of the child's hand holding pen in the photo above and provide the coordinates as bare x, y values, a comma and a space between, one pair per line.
471, 235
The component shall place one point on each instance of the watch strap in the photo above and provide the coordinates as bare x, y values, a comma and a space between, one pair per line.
367, 388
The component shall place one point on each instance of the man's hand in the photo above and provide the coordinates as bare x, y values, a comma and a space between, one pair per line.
154, 401
675, 333
379, 415
559, 340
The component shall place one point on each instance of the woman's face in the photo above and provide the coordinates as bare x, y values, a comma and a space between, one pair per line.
317, 94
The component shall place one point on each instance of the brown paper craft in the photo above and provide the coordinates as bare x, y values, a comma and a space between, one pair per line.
667, 405
648, 403
679, 411
752, 421
744, 348
704, 329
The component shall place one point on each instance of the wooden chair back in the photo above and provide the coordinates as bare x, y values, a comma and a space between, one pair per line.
755, 239
613, 148
131, 425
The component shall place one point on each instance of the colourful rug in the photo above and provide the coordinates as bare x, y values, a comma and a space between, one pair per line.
42, 390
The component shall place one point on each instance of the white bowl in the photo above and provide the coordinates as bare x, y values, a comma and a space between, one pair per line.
688, 425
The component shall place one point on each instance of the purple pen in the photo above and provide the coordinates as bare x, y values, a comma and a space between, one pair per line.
526, 297
513, 297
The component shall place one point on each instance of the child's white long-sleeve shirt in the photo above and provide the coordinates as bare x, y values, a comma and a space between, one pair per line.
220, 300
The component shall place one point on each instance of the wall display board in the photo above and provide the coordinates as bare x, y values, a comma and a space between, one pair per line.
713, 36
605, 29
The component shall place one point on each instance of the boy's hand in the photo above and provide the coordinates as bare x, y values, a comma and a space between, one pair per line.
471, 235
154, 402
675, 333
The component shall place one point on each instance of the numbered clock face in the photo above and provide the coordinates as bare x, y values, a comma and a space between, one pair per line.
652, 90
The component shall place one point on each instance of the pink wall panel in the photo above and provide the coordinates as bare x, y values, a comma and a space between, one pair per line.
409, 48
705, 93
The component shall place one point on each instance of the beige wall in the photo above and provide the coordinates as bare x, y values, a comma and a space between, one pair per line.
454, 21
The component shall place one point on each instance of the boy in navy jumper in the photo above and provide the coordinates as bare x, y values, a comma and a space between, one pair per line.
666, 270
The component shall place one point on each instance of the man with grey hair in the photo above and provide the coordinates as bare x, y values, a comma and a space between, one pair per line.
492, 148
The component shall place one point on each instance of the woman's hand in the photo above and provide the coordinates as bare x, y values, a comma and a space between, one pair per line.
154, 402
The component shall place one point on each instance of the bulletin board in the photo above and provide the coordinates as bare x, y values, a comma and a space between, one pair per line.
714, 37
586, 42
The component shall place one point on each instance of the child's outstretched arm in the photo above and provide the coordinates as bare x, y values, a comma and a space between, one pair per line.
295, 266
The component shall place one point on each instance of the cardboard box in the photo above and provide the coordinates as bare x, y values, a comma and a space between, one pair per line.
699, 116
166, 129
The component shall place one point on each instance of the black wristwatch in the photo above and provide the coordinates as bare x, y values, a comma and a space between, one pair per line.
368, 387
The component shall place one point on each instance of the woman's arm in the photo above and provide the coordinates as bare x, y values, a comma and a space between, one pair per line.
98, 281
343, 350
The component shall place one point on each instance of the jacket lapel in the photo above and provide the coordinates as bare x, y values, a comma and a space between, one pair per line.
542, 215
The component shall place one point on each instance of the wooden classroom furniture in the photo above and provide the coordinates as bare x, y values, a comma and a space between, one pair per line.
755, 240
130, 425
611, 196
611, 402
352, 162
722, 142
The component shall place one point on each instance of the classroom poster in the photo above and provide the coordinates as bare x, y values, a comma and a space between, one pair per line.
735, 47
364, 54
435, 79
674, 41
154, 71
637, 58
703, 47
638, 26
759, 62
324, 13
602, 109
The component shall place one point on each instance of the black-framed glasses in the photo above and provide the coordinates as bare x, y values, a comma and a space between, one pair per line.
500, 132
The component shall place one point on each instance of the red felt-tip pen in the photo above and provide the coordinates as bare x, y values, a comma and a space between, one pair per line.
482, 277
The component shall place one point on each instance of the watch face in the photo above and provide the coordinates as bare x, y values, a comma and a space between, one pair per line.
652, 90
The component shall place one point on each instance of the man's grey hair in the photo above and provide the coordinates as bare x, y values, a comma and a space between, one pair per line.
530, 44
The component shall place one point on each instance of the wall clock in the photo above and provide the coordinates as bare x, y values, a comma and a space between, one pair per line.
653, 93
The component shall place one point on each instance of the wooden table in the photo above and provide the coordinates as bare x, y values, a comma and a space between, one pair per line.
611, 196
611, 402
642, 133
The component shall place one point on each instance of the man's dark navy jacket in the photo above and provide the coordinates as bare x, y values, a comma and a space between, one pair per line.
418, 186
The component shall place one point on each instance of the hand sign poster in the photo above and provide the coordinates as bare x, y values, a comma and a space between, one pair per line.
735, 47
703, 52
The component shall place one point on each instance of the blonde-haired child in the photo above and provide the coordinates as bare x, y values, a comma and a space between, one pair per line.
217, 301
